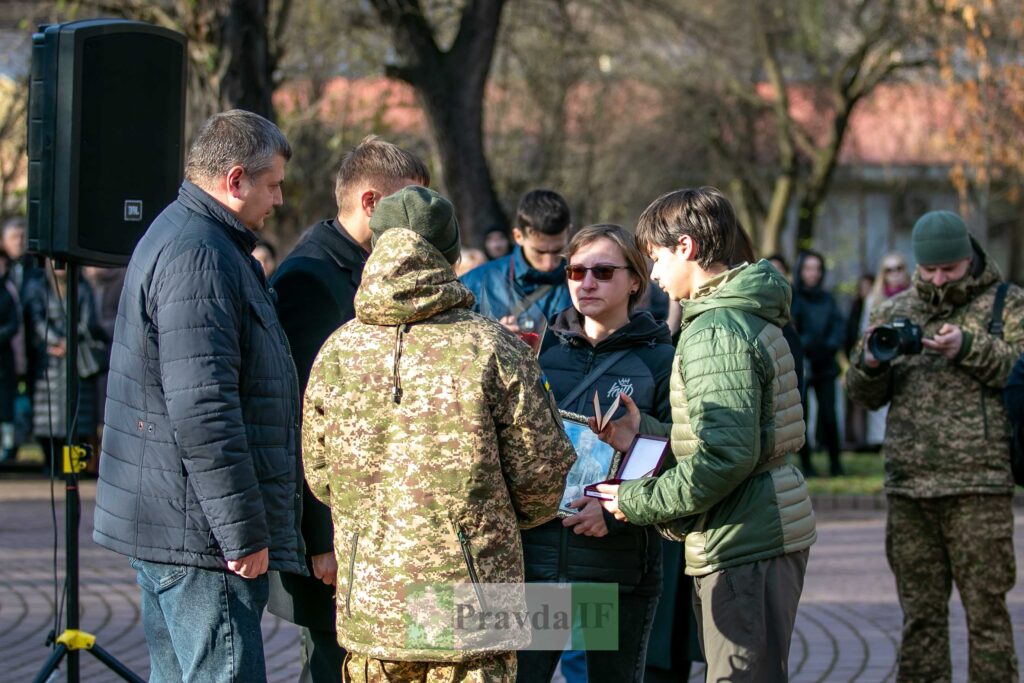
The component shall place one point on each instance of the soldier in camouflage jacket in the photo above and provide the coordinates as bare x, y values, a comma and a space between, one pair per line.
947, 473
428, 431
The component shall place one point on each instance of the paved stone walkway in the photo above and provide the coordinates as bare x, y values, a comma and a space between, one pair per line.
847, 628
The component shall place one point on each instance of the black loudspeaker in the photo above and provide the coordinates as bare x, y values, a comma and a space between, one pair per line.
106, 123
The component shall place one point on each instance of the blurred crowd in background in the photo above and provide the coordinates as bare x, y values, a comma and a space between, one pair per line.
32, 347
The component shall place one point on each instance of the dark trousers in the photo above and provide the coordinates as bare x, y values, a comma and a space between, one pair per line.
322, 657
827, 424
636, 614
746, 615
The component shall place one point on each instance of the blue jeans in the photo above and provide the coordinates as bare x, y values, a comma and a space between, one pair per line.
574, 666
202, 625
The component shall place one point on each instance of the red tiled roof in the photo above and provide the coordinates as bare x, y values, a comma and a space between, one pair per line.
898, 124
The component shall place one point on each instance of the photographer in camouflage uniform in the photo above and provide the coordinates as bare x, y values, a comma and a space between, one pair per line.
429, 433
947, 470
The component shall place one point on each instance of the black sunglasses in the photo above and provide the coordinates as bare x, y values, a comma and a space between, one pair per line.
602, 273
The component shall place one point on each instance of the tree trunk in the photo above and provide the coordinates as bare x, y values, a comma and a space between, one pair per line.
232, 55
248, 81
775, 220
817, 186
456, 119
451, 86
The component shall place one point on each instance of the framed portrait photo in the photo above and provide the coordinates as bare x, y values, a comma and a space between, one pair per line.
595, 461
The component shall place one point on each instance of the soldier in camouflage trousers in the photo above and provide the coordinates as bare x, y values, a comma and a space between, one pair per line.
429, 433
947, 471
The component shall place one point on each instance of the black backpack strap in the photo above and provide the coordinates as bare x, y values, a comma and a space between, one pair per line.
995, 328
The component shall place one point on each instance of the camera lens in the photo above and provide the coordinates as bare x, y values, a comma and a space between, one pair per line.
884, 344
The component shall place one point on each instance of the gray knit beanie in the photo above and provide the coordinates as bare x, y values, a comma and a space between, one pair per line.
940, 237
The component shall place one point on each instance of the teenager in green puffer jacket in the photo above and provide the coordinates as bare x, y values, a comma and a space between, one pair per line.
731, 496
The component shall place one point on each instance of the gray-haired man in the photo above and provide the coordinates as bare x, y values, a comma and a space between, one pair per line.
199, 479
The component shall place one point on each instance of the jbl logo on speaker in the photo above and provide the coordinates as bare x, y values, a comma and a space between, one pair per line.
133, 210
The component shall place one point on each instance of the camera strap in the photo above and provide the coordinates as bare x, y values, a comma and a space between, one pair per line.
995, 327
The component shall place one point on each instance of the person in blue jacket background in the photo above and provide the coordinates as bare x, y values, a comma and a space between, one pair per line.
527, 287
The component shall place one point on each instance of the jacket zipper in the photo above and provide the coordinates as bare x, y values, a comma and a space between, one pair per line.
268, 291
297, 441
351, 574
396, 380
474, 579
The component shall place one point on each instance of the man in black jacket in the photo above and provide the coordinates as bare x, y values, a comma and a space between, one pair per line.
200, 478
315, 288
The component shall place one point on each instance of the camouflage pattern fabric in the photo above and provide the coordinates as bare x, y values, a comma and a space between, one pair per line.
947, 431
498, 669
932, 543
428, 431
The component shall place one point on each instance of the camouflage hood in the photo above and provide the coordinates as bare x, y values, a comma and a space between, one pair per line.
756, 288
407, 280
983, 274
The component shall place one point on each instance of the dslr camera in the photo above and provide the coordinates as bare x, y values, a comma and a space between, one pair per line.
899, 338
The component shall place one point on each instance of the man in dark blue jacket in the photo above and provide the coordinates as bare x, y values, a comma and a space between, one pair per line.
200, 477
315, 288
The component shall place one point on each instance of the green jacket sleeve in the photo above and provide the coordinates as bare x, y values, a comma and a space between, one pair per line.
990, 359
722, 376
651, 425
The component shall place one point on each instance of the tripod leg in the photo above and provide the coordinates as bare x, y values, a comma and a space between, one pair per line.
114, 665
51, 664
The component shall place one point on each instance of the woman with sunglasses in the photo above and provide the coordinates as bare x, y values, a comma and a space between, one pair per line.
602, 345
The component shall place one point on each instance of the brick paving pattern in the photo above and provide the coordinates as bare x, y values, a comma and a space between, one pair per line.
847, 628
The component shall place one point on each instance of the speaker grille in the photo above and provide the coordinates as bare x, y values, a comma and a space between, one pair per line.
129, 162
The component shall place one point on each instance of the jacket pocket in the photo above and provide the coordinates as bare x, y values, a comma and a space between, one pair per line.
351, 573
272, 463
159, 577
262, 312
